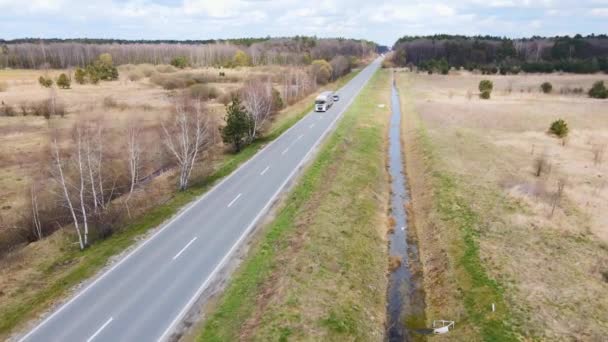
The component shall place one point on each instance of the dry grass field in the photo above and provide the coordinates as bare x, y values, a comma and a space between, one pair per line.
24, 140
476, 161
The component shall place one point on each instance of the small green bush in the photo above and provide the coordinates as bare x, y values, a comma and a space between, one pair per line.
180, 62
241, 58
559, 128
546, 87
485, 95
64, 81
46, 82
486, 85
598, 91
80, 76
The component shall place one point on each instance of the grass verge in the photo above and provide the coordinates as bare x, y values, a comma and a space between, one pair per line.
450, 215
319, 270
74, 266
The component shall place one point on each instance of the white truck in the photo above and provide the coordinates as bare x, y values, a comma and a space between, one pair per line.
324, 101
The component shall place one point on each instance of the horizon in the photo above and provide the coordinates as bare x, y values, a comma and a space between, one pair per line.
382, 22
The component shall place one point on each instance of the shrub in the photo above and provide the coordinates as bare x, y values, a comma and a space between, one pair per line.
47, 108
109, 102
165, 69
80, 76
203, 91
169, 82
135, 75
3, 86
64, 81
92, 75
46, 82
241, 59
179, 62
546, 87
277, 101
24, 107
485, 95
101, 69
321, 70
146, 69
486, 85
7, 110
598, 91
559, 128
105, 58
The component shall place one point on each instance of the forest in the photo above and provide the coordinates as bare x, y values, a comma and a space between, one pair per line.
68, 53
492, 55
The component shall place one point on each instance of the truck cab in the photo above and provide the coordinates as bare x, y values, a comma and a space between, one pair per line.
324, 101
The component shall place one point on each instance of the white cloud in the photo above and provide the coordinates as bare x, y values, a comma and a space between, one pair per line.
382, 20
600, 12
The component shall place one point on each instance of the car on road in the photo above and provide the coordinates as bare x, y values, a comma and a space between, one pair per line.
324, 101
336, 97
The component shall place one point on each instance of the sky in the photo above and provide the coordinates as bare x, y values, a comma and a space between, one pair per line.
380, 21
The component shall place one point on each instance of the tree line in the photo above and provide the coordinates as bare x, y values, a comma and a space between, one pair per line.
57, 53
491, 55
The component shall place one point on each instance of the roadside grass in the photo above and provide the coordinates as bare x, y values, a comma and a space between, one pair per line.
73, 266
451, 212
319, 270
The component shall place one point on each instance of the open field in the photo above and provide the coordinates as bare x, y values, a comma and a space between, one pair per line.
34, 277
319, 271
490, 230
25, 139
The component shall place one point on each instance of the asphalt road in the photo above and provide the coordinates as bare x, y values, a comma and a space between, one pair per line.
145, 295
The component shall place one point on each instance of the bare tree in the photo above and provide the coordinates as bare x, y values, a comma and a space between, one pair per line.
133, 153
257, 97
186, 135
61, 178
82, 176
36, 213
598, 150
561, 184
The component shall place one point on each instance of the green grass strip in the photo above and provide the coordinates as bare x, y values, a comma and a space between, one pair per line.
478, 289
239, 299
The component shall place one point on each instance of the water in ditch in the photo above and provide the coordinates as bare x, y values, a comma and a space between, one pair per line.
405, 306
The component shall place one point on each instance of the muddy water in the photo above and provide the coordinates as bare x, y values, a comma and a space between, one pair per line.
405, 294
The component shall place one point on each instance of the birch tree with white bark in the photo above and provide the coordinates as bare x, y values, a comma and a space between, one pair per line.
187, 134
66, 187
257, 98
133, 154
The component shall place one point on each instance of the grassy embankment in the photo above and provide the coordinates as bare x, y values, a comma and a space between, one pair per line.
491, 227
456, 282
319, 270
68, 266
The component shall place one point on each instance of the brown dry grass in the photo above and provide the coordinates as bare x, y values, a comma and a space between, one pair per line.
24, 140
394, 262
549, 266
